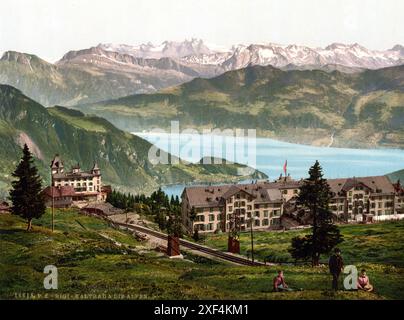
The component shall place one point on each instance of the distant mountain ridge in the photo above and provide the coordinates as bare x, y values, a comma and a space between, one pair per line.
277, 55
170, 49
315, 107
94, 74
122, 157
109, 71
89, 75
112, 59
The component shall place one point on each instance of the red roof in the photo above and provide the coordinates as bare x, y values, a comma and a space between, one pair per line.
63, 191
106, 189
4, 206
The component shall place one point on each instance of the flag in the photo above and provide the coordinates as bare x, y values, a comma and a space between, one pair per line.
285, 167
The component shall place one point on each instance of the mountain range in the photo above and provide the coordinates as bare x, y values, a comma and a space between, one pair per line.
239, 56
122, 157
170, 49
89, 75
362, 110
109, 71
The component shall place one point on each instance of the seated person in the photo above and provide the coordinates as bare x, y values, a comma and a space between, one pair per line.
363, 282
279, 283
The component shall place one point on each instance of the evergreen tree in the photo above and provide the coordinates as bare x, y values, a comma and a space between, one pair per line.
192, 214
25, 195
161, 219
174, 224
315, 195
195, 236
158, 204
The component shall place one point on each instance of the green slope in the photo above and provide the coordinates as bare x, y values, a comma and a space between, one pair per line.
71, 82
397, 175
377, 243
362, 109
122, 157
95, 261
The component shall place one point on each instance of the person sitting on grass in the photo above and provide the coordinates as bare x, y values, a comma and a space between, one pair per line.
279, 283
363, 282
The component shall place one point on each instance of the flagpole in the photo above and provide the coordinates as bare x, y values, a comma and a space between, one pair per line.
285, 168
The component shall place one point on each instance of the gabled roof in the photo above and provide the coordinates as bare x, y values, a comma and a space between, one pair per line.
354, 182
106, 189
376, 184
95, 167
235, 189
205, 196
56, 162
336, 185
213, 196
274, 194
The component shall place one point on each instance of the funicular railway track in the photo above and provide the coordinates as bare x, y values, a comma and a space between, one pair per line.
194, 246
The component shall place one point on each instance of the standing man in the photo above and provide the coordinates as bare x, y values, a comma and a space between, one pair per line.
336, 264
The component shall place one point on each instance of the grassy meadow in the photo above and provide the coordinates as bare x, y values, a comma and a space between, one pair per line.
379, 243
97, 261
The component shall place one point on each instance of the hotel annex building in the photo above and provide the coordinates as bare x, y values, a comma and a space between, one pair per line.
212, 208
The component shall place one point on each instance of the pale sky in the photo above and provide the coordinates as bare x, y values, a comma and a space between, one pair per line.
50, 28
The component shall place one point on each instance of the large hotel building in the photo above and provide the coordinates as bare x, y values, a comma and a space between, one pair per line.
212, 208
74, 186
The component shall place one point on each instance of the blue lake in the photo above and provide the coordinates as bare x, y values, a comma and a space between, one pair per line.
270, 155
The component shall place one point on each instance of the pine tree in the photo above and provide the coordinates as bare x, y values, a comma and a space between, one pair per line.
25, 195
192, 214
315, 194
195, 236
174, 225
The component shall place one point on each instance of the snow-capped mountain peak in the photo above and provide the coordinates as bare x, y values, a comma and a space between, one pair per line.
398, 48
349, 55
197, 52
170, 49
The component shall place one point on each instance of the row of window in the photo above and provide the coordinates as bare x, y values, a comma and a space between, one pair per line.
256, 206
80, 188
359, 204
295, 191
257, 214
265, 214
380, 212
62, 198
231, 208
81, 180
257, 223
212, 209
